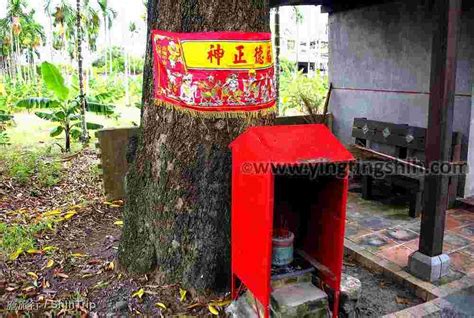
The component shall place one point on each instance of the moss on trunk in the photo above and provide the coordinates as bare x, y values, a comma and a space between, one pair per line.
177, 214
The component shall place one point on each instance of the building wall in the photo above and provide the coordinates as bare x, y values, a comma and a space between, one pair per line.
388, 47
296, 38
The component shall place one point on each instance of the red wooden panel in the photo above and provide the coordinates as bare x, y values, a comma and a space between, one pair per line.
326, 227
253, 203
252, 219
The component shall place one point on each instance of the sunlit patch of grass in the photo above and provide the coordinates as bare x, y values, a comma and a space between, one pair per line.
29, 130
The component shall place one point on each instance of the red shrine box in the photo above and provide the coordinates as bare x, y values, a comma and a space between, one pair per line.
269, 192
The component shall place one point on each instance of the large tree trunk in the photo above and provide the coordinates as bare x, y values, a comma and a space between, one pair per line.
177, 214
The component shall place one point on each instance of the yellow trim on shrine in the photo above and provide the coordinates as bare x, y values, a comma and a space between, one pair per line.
224, 55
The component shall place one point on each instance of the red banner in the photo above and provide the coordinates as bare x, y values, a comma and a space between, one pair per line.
214, 73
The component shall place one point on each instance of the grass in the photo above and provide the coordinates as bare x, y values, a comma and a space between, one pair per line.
34, 153
18, 238
32, 159
21, 165
30, 131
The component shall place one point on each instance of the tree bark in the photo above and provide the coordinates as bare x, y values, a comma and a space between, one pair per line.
177, 213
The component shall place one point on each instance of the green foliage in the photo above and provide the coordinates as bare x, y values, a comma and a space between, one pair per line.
5, 120
107, 90
54, 81
119, 61
22, 166
11, 92
20, 33
65, 112
136, 87
300, 92
19, 237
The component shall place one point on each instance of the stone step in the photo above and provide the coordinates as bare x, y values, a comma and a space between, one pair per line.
297, 300
300, 300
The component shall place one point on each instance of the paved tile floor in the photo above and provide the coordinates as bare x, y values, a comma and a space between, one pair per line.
383, 227
458, 304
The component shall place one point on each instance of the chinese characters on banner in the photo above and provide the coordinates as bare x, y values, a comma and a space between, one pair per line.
214, 73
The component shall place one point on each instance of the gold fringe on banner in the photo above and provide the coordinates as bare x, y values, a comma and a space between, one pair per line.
249, 114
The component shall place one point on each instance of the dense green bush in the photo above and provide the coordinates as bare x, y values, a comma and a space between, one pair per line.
11, 92
107, 90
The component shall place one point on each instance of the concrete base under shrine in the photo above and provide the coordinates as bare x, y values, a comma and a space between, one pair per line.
289, 299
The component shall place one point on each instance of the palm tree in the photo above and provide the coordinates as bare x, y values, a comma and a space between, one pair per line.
20, 33
48, 12
133, 31
82, 101
91, 25
90, 30
31, 38
6, 48
108, 16
64, 20
16, 10
129, 70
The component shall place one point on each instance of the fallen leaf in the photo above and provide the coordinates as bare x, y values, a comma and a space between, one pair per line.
32, 275
78, 255
16, 254
402, 301
101, 284
222, 303
69, 215
29, 288
195, 305
139, 293
50, 263
45, 284
119, 222
62, 275
161, 305
33, 251
52, 212
213, 310
48, 248
111, 266
182, 294
115, 206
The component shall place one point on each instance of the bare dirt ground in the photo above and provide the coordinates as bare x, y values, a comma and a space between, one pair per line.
379, 296
73, 271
